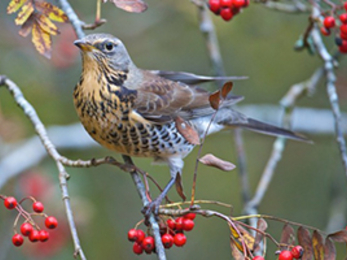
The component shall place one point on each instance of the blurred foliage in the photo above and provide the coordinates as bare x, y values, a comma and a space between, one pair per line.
258, 43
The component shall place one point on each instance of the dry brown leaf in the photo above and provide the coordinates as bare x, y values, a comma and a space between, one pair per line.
189, 133
339, 236
261, 226
26, 27
15, 5
227, 87
41, 40
329, 250
235, 250
304, 239
211, 160
53, 12
287, 235
318, 247
132, 6
24, 14
46, 24
214, 99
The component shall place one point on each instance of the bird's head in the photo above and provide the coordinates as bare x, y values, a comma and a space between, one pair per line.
104, 50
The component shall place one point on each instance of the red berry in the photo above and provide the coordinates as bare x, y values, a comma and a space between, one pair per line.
44, 235
17, 240
51, 222
285, 255
140, 236
34, 236
226, 3
179, 223
180, 239
137, 248
343, 47
26, 228
345, 5
148, 244
132, 235
246, 3
188, 224
10, 202
343, 36
343, 28
325, 31
190, 216
297, 252
239, 3
258, 257
329, 22
214, 5
167, 240
38, 207
171, 224
226, 14
343, 18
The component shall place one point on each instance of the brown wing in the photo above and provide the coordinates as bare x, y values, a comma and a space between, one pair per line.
162, 100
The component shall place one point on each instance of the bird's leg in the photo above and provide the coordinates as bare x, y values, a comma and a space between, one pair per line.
154, 205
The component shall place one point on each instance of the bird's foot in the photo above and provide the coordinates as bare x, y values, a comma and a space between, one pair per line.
152, 208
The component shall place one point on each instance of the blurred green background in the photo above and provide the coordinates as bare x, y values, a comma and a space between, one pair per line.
257, 43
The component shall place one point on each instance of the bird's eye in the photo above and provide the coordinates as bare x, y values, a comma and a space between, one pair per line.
109, 46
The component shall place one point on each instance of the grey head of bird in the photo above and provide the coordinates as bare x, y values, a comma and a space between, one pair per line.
106, 50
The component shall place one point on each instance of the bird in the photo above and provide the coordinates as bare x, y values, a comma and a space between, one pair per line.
151, 113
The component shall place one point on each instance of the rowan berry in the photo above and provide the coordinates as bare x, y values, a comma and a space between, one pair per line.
51, 222
226, 14
343, 36
137, 248
343, 47
258, 257
329, 22
34, 236
239, 3
214, 5
167, 240
343, 28
38, 207
297, 252
132, 235
190, 216
343, 18
188, 224
148, 244
179, 223
140, 236
17, 240
285, 255
180, 239
44, 235
226, 3
10, 203
26, 228
325, 31
171, 224
345, 5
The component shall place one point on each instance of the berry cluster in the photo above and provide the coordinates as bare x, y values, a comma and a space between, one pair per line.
172, 233
227, 9
29, 228
330, 23
295, 253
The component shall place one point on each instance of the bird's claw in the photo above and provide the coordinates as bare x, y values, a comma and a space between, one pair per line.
151, 208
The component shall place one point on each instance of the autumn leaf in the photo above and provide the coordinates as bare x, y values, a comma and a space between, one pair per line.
339, 236
261, 226
317, 244
211, 160
304, 239
26, 27
131, 6
54, 13
287, 235
329, 250
188, 132
24, 14
15, 5
227, 87
46, 24
235, 250
41, 40
214, 99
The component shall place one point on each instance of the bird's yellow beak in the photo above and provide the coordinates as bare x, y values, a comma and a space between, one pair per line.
84, 46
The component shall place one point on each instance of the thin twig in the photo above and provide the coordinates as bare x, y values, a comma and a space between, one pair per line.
30, 112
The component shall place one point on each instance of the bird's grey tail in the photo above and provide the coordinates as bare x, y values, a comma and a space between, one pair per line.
268, 129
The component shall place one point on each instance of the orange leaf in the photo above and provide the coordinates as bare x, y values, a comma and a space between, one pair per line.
24, 14
236, 250
226, 89
42, 41
187, 131
214, 99
132, 6
26, 27
14, 6
54, 13
318, 247
47, 25
211, 160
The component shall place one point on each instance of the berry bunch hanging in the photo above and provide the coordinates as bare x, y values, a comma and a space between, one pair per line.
172, 233
29, 228
339, 26
227, 9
